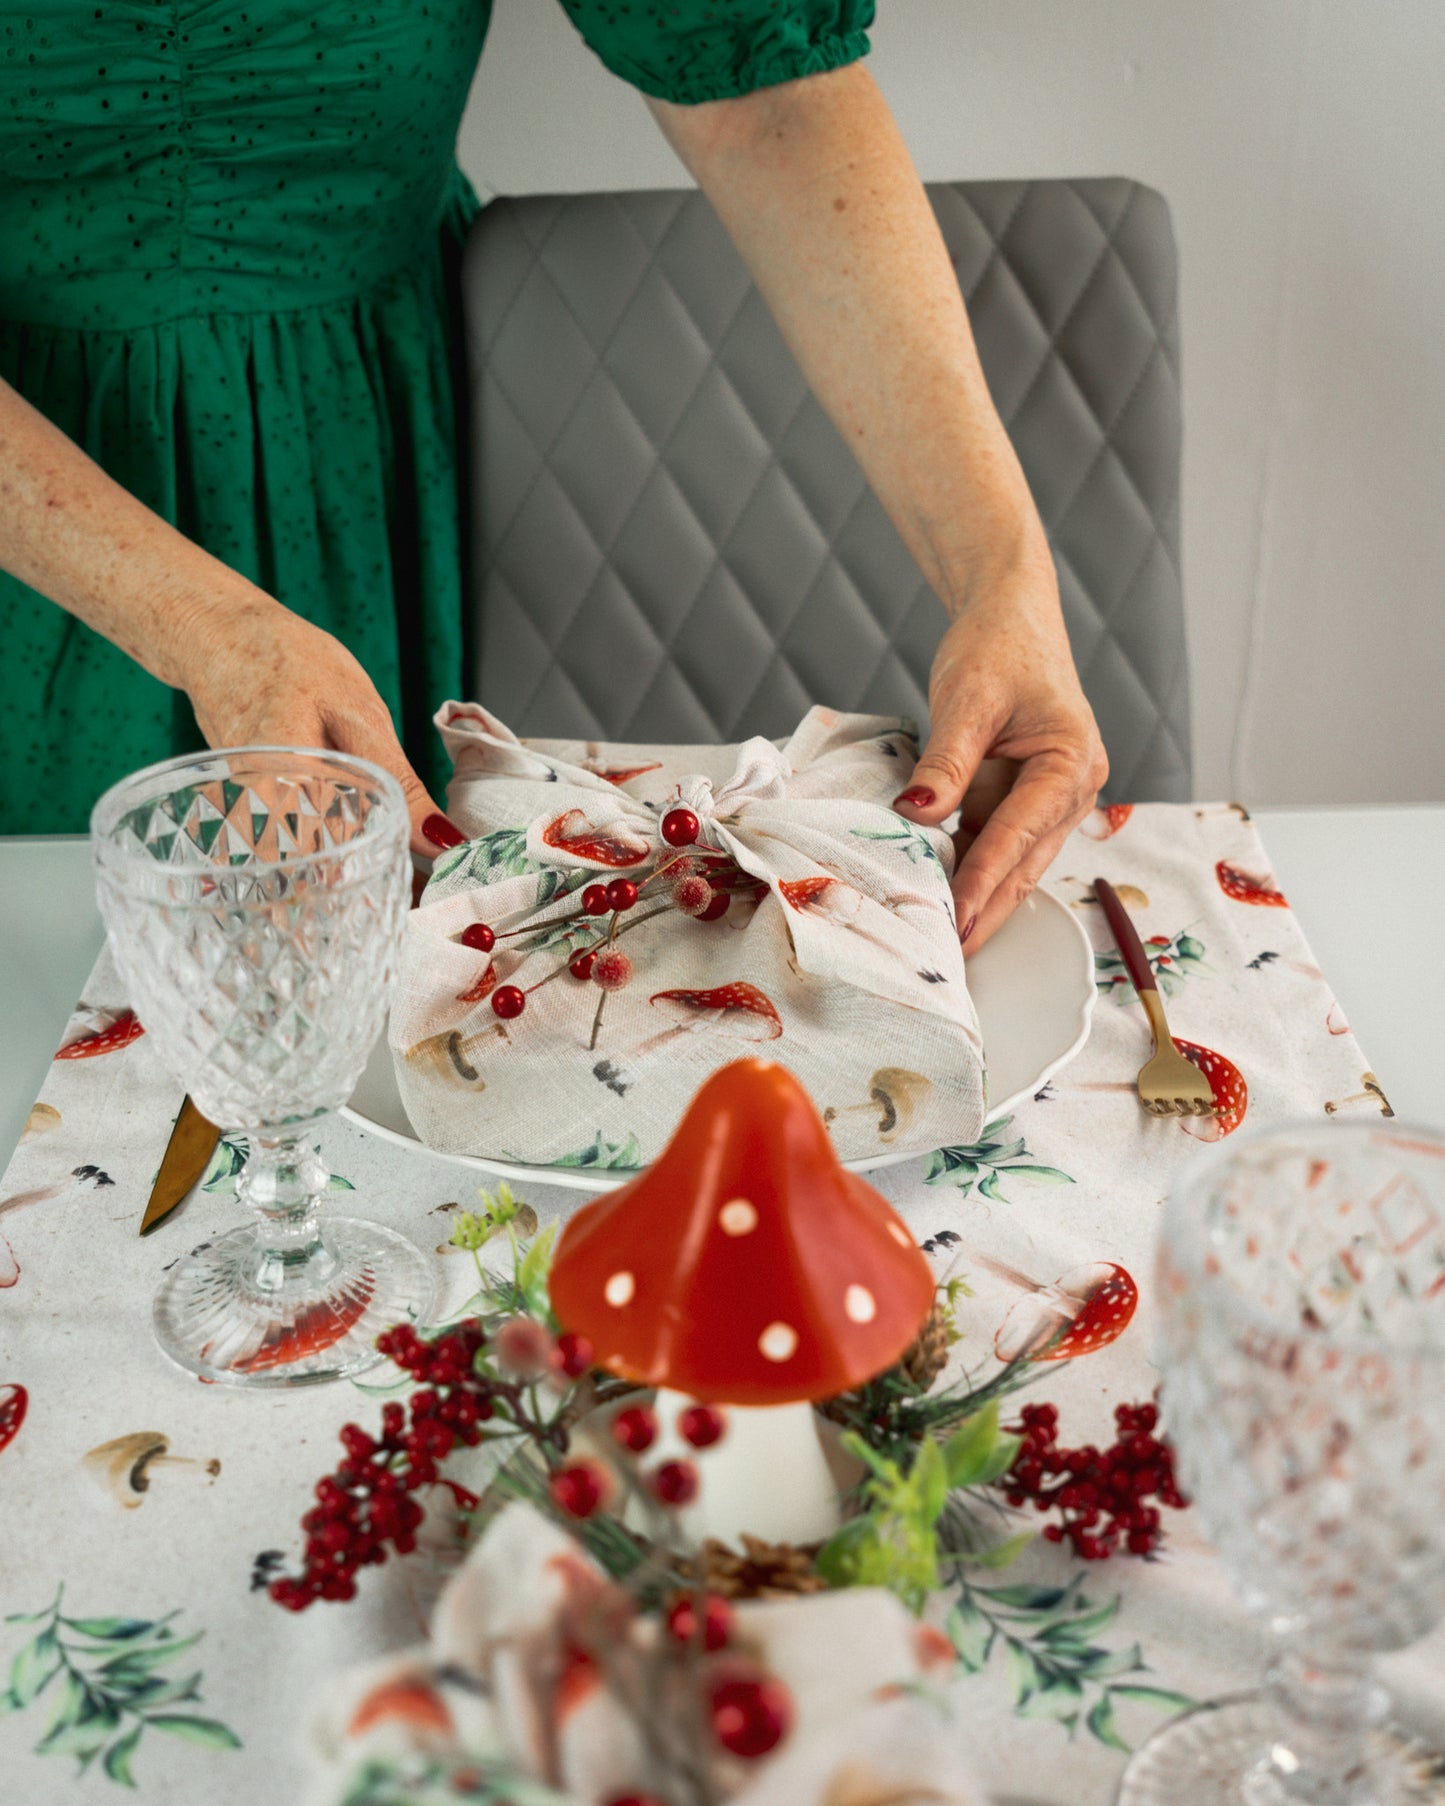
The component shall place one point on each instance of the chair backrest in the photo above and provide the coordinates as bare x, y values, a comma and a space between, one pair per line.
670, 542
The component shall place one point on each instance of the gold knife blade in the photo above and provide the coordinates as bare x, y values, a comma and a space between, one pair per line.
187, 1154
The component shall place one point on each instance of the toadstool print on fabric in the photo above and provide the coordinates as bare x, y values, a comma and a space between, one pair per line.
1085, 1309
615, 846
1229, 1093
1244, 887
731, 1012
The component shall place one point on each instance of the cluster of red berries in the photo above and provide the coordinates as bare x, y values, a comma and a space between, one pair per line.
701, 887
1099, 1494
583, 1488
367, 1507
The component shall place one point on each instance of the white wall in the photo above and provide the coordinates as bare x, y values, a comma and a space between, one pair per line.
1299, 143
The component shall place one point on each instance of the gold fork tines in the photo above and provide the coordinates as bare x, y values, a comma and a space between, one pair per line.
1169, 1084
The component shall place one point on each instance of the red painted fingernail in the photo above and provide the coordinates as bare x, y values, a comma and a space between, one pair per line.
919, 797
969, 927
442, 833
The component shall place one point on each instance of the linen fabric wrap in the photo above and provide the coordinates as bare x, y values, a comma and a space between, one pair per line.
838, 955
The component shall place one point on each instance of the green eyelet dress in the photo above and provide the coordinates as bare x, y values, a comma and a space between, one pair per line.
229, 236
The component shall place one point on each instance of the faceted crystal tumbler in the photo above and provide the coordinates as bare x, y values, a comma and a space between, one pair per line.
1301, 1286
255, 900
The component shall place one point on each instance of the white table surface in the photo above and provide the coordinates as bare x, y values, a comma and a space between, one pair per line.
1365, 884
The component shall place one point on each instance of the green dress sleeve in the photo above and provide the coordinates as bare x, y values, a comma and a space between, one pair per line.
700, 50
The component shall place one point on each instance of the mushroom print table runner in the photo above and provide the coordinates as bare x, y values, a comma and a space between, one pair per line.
142, 1513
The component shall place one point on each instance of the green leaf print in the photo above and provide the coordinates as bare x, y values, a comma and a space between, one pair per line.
1045, 1639
101, 1707
416, 1780
231, 1154
910, 840
603, 1154
1172, 959
987, 1162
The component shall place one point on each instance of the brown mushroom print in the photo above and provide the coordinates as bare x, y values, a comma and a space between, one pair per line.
1084, 1309
124, 1466
731, 1012
1372, 1093
895, 1097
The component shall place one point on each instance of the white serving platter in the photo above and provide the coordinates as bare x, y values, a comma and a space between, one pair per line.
1032, 985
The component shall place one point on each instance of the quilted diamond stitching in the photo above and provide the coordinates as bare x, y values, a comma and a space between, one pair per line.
1111, 361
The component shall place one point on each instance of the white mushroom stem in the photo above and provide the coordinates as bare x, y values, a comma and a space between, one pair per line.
770, 1476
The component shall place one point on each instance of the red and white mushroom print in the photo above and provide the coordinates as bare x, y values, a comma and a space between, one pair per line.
745, 1266
13, 1401
1244, 888
822, 896
614, 847
1105, 822
104, 1033
1085, 1310
737, 1012
1227, 1088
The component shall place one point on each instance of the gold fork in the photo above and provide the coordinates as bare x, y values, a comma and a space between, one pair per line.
1169, 1085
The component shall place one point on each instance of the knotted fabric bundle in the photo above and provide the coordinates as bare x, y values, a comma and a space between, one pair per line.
836, 952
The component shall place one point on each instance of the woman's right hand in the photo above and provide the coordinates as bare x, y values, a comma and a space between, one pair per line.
259, 675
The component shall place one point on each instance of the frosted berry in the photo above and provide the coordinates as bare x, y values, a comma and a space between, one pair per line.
701, 1425
717, 1622
750, 1716
523, 1346
692, 894
580, 965
621, 894
611, 969
480, 937
594, 899
674, 1482
680, 827
580, 1490
635, 1428
508, 1002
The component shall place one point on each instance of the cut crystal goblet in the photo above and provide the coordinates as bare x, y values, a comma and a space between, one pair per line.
255, 900
1301, 1289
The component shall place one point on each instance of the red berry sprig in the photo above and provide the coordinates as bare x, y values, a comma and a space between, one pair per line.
367, 1507
1099, 1494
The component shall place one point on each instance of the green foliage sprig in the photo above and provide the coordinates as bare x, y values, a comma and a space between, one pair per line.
107, 1687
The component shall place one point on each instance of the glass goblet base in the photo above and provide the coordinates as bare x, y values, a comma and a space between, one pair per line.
321, 1323
1225, 1754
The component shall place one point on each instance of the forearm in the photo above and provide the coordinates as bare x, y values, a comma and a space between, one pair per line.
818, 192
75, 535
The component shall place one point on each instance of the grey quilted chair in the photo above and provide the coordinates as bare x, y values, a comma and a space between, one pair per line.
671, 542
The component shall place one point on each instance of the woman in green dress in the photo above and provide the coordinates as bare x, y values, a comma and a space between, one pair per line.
230, 363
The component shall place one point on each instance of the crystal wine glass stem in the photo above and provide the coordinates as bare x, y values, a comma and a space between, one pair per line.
1330, 1703
283, 1181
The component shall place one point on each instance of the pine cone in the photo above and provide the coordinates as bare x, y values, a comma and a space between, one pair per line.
926, 1359
762, 1571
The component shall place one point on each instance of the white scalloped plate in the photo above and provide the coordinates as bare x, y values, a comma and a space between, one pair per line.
1032, 985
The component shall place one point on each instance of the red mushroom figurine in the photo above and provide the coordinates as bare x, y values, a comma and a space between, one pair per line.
747, 1268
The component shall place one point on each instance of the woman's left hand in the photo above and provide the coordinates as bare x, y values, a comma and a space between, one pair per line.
1013, 746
